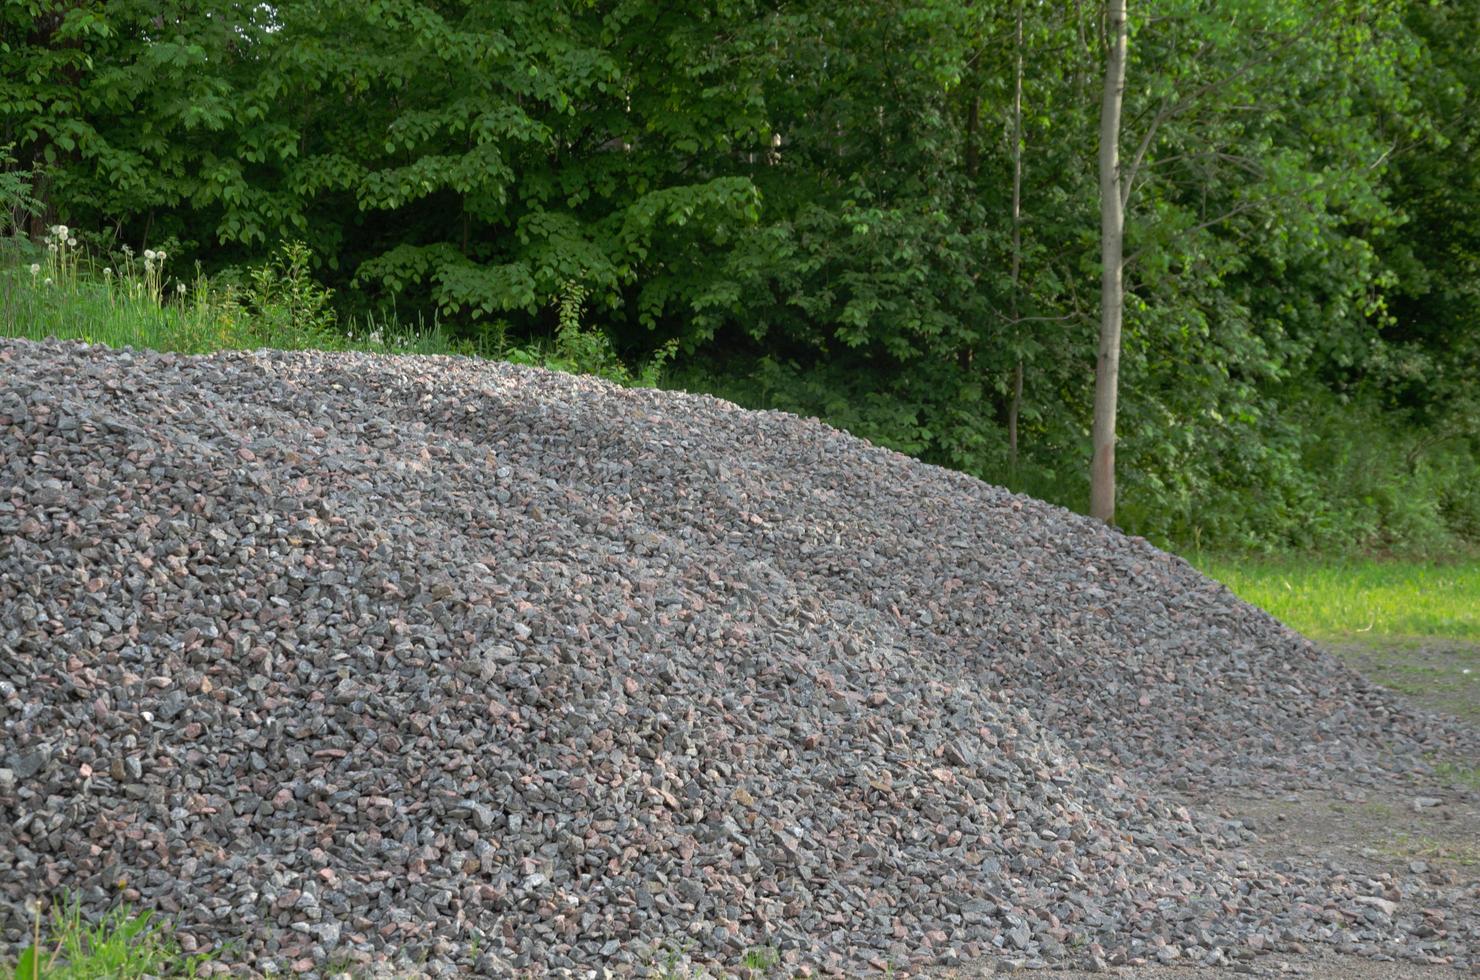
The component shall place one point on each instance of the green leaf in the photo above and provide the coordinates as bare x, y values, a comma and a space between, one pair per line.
28, 967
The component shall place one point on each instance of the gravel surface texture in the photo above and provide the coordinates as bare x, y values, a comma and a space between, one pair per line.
377, 661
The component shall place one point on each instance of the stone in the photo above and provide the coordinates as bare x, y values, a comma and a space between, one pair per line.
1384, 906
480, 669
27, 765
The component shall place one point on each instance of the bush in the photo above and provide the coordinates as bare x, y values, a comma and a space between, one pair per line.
581, 350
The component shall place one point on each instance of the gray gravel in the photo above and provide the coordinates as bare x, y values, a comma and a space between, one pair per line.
420, 660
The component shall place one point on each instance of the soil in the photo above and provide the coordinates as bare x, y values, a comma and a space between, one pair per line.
1322, 965
1439, 675
1368, 830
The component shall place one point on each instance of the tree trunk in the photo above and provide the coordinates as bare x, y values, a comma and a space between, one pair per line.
973, 121
40, 220
1014, 409
967, 355
1112, 287
1016, 406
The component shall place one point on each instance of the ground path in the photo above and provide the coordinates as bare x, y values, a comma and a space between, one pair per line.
1395, 830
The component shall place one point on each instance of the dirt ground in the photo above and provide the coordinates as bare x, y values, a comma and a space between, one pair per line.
1397, 830
1325, 966
1434, 674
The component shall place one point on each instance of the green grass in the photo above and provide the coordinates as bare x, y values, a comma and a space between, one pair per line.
1411, 626
758, 963
137, 300
1359, 600
123, 946
123, 299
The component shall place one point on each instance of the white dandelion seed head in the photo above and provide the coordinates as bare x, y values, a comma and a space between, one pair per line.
51, 246
107, 273
127, 250
180, 288
71, 243
47, 282
149, 255
35, 268
160, 255
59, 230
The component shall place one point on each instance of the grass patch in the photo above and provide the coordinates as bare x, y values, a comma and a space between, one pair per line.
758, 963
1457, 774
1407, 846
1370, 601
66, 290
125, 299
123, 946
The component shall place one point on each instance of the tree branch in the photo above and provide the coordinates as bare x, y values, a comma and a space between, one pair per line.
1243, 208
1128, 175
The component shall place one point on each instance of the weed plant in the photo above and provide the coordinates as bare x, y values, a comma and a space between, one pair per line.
124, 945
63, 289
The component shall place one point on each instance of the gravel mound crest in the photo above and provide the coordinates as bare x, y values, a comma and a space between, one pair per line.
423, 660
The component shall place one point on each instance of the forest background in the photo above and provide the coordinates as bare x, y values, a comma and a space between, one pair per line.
885, 214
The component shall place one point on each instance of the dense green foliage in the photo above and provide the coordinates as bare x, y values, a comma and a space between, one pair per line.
121, 300
809, 207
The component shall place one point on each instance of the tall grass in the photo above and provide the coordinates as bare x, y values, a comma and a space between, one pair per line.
123, 945
129, 299
62, 289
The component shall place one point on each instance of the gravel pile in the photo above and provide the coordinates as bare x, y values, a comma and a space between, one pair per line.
389, 660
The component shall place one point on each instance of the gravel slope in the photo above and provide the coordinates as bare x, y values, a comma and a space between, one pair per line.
396, 659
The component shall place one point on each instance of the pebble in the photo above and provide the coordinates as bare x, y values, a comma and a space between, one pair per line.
1381, 904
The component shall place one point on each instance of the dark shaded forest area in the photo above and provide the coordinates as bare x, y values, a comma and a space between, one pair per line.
886, 214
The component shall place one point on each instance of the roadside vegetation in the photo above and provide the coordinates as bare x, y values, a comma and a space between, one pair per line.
130, 945
1412, 626
124, 945
1380, 602
62, 288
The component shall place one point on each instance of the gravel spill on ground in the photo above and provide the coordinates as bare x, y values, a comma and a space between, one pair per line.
365, 660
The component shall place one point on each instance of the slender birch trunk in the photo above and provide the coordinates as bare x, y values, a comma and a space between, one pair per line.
1015, 408
1112, 286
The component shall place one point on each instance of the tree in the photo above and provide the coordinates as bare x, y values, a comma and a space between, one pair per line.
885, 217
1112, 283
1015, 406
1259, 133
